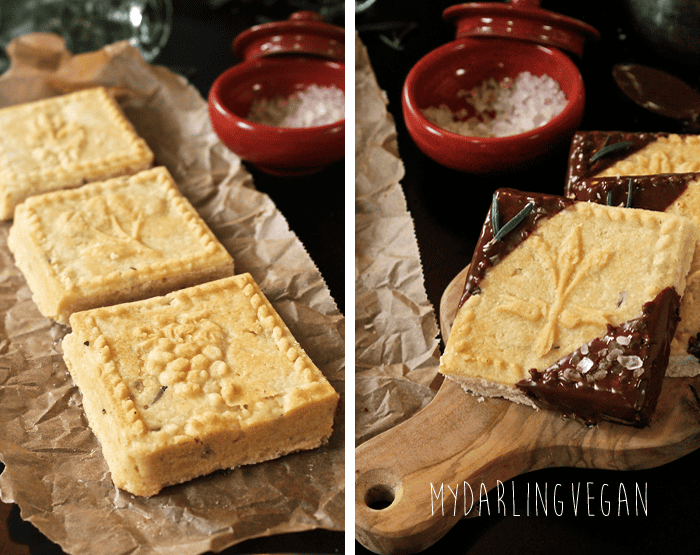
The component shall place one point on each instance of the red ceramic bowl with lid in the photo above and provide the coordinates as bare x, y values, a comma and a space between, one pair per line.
281, 59
495, 41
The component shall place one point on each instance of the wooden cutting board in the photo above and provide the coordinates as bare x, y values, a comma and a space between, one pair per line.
458, 439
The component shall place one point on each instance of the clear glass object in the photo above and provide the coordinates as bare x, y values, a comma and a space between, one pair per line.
362, 5
88, 25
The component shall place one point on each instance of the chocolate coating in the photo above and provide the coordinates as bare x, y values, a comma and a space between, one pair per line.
649, 192
586, 143
488, 251
616, 377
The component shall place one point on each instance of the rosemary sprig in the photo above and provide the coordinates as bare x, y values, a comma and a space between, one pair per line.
495, 216
630, 189
628, 202
499, 234
607, 150
608, 198
157, 397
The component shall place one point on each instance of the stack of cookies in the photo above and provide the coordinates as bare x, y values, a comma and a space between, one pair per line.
583, 303
184, 367
653, 171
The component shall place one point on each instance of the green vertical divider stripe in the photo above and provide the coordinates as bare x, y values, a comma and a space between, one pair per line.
349, 277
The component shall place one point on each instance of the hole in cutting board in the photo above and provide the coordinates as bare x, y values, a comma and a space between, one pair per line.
377, 489
379, 497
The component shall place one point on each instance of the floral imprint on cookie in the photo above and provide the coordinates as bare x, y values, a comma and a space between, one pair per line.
186, 357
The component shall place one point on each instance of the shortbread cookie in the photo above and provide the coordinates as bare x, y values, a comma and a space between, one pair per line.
571, 306
612, 153
202, 379
114, 241
675, 194
63, 142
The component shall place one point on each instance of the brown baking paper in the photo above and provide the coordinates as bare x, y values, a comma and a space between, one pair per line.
55, 471
396, 333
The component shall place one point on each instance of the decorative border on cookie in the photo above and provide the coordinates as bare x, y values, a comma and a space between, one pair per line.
663, 266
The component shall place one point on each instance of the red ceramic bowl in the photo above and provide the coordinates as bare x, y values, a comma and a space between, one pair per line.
464, 64
276, 150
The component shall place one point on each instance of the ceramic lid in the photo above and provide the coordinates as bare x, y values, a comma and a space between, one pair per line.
521, 20
304, 32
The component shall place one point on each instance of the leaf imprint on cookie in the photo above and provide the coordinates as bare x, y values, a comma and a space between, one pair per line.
55, 138
566, 272
113, 226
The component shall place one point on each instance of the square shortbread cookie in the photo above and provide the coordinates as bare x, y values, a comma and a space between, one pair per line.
124, 239
612, 153
571, 306
63, 142
202, 379
675, 193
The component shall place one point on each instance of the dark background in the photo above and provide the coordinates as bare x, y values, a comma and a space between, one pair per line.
200, 49
449, 208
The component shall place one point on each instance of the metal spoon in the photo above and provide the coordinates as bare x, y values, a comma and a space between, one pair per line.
658, 92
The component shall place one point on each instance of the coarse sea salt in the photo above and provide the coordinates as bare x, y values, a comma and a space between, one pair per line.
311, 107
502, 108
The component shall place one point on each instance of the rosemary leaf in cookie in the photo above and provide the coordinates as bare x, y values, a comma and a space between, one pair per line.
610, 149
495, 216
514, 221
630, 187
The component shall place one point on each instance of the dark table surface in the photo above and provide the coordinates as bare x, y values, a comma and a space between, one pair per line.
449, 208
200, 49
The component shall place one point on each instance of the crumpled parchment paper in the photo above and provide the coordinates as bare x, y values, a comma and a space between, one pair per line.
54, 470
396, 332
